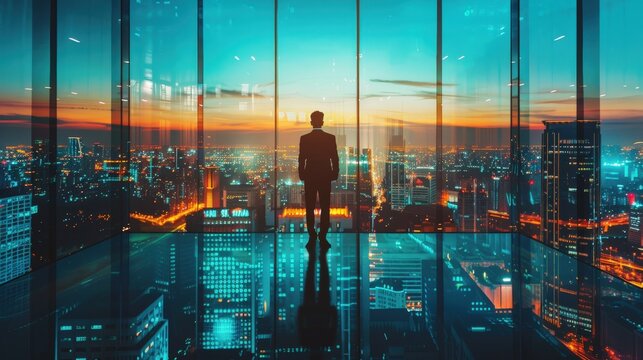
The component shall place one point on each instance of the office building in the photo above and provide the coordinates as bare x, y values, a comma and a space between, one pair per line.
15, 234
142, 333
571, 187
74, 147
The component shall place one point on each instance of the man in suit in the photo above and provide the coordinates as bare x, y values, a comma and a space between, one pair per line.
318, 166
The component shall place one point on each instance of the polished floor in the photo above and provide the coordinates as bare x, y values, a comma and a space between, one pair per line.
370, 296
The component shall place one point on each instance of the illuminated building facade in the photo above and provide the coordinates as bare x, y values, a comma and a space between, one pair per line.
74, 147
472, 208
570, 187
387, 295
395, 172
15, 234
143, 334
294, 219
497, 221
223, 220
231, 267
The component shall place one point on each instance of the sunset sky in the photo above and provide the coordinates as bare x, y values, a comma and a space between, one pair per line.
317, 65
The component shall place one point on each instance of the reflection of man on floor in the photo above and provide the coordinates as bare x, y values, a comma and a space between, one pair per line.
318, 166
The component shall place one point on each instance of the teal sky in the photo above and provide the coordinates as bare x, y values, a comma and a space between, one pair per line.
317, 64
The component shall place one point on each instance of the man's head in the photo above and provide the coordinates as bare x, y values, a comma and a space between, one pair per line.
317, 119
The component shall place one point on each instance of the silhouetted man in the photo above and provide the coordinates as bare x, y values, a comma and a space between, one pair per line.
318, 166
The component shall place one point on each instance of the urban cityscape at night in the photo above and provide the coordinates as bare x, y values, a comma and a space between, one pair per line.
488, 201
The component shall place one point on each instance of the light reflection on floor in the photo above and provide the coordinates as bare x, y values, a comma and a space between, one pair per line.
221, 296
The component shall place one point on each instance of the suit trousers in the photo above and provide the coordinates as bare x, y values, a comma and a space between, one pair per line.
311, 189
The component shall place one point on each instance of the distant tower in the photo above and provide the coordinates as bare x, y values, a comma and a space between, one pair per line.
212, 187
395, 178
74, 147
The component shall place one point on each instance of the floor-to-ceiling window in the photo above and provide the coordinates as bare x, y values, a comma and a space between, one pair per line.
621, 78
475, 132
85, 162
15, 142
164, 172
397, 116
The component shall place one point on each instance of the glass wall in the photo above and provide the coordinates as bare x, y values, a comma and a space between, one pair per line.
57, 114
397, 116
621, 104
239, 105
316, 75
476, 115
16, 182
163, 157
221, 92
547, 93
85, 165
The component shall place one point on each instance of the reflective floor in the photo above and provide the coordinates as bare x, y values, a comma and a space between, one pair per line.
251, 296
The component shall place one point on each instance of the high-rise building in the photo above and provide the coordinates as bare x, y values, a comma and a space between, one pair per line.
570, 212
142, 333
229, 301
570, 218
366, 190
498, 193
212, 187
472, 208
423, 190
387, 294
74, 147
394, 173
15, 234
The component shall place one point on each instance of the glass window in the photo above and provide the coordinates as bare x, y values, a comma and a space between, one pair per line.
239, 106
316, 72
16, 180
621, 142
547, 93
476, 120
163, 158
397, 116
84, 108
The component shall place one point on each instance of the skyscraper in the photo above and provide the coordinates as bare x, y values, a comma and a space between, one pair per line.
472, 208
570, 218
212, 187
394, 173
15, 234
570, 212
74, 147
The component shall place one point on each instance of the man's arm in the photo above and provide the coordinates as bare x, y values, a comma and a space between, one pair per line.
302, 159
334, 160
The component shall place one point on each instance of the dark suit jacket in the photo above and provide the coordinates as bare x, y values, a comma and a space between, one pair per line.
318, 158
